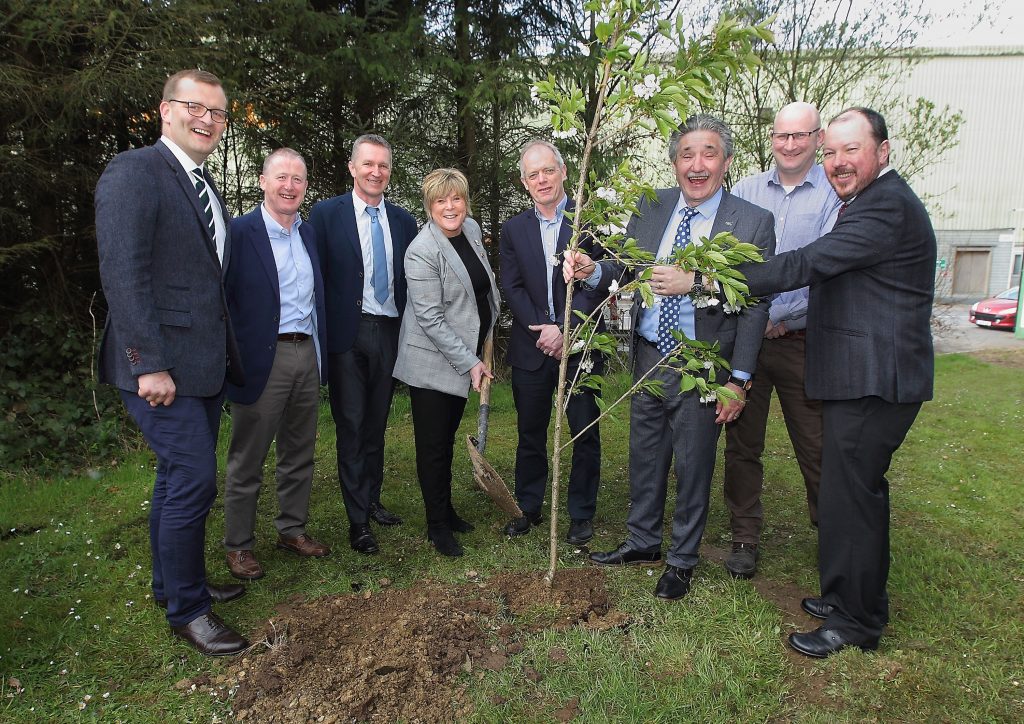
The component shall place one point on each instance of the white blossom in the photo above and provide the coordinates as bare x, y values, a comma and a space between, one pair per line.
708, 364
568, 133
608, 194
577, 346
613, 287
587, 364
584, 49
535, 94
709, 398
730, 308
553, 260
648, 87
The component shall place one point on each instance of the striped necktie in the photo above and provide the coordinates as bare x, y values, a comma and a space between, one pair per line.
204, 200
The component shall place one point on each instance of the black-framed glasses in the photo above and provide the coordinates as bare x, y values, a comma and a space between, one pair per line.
796, 135
217, 115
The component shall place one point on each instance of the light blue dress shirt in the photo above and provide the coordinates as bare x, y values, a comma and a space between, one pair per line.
549, 229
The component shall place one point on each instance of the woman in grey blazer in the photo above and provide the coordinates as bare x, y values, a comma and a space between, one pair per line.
452, 306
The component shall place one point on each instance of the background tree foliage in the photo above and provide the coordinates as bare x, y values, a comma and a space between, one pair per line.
446, 81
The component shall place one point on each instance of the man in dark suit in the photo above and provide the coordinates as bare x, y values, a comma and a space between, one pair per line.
162, 233
275, 296
361, 241
531, 280
681, 425
869, 359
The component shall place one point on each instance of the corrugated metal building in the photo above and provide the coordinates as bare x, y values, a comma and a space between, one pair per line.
978, 184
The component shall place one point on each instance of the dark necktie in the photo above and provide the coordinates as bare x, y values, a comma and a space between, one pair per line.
380, 256
668, 320
204, 200
839, 215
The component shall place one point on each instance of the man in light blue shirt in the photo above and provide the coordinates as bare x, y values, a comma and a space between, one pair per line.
275, 297
797, 192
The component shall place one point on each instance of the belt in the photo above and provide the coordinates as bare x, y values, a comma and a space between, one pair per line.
378, 317
292, 337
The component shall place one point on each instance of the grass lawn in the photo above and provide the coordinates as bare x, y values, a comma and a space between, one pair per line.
80, 638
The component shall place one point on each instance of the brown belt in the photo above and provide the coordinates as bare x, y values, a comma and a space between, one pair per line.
292, 337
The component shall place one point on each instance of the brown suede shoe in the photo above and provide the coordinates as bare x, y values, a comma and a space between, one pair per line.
244, 565
303, 546
211, 636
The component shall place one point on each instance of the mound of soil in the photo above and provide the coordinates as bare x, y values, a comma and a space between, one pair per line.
402, 654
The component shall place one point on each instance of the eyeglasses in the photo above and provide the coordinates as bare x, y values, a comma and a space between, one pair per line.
797, 136
217, 115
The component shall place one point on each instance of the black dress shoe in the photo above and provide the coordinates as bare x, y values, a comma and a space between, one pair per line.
822, 642
444, 541
674, 583
626, 556
816, 607
211, 636
382, 516
362, 539
522, 524
581, 530
742, 561
219, 594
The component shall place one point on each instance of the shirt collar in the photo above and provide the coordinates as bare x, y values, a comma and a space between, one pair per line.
360, 206
186, 163
706, 209
815, 176
272, 224
558, 211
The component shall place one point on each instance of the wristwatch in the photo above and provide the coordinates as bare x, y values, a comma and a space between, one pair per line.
744, 385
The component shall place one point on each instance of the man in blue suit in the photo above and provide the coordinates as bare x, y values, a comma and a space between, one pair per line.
275, 297
361, 241
535, 291
162, 233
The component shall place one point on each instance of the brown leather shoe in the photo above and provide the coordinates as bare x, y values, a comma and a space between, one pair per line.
244, 565
304, 546
219, 594
211, 636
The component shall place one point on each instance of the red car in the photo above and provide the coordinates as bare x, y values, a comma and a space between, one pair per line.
999, 312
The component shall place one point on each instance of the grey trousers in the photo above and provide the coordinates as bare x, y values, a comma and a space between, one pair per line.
286, 411
660, 428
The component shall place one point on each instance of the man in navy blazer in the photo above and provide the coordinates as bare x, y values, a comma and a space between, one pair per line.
276, 299
162, 233
361, 241
531, 281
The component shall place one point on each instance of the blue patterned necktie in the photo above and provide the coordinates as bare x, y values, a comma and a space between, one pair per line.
668, 320
204, 200
380, 256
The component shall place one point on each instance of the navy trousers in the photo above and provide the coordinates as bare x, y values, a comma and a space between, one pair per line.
183, 436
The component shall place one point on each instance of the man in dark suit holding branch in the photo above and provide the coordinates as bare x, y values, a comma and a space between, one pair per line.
162, 232
869, 359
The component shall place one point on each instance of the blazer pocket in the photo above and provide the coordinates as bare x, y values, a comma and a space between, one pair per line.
421, 342
847, 332
174, 318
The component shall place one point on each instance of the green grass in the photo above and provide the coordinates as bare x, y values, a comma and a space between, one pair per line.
76, 619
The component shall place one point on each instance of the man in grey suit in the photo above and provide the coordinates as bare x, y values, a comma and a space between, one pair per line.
680, 424
163, 239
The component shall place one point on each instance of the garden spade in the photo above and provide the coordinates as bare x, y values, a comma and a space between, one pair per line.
485, 476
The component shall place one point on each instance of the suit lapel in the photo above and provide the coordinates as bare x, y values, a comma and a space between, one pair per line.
398, 241
188, 187
349, 227
451, 257
265, 251
725, 219
654, 222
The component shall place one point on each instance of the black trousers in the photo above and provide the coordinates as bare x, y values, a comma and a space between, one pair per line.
361, 387
435, 419
860, 437
533, 394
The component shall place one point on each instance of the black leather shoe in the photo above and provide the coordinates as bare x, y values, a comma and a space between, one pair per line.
219, 594
382, 516
626, 556
458, 524
816, 607
211, 636
522, 524
822, 642
581, 530
444, 541
362, 539
674, 583
742, 562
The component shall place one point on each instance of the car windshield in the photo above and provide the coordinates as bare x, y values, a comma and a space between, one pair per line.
1009, 294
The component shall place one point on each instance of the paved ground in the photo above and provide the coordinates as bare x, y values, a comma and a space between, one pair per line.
956, 334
